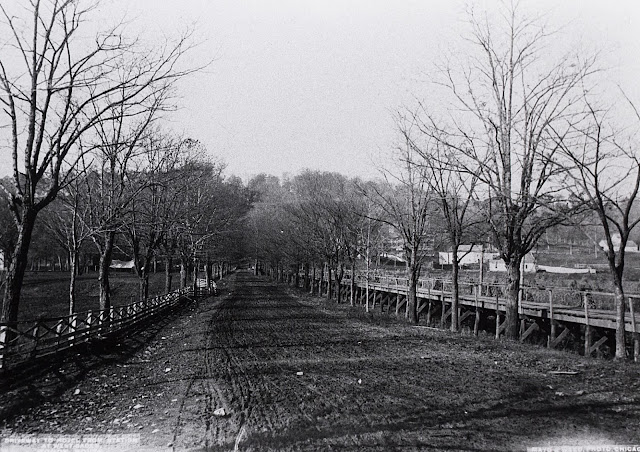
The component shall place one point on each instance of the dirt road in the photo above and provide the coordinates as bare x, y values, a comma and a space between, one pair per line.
260, 369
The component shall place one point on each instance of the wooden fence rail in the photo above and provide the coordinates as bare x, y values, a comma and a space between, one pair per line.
553, 314
27, 341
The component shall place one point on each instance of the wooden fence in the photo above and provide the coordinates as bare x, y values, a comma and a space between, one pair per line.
28, 340
554, 315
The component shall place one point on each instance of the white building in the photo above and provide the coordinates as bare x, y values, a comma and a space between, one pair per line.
468, 255
631, 247
498, 265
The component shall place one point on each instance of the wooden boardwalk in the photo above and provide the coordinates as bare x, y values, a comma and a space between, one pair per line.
602, 318
553, 317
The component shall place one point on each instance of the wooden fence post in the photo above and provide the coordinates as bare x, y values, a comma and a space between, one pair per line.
112, 316
89, 324
36, 337
59, 329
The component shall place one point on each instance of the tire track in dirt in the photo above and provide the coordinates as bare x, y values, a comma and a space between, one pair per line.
224, 383
248, 397
261, 311
199, 427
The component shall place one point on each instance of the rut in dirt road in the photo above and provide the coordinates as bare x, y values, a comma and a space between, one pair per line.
249, 365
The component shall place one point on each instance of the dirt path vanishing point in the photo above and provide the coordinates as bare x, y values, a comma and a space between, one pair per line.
260, 369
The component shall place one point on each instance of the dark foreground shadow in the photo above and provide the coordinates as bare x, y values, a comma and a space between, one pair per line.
29, 384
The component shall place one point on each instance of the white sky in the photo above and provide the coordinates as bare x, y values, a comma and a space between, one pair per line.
314, 84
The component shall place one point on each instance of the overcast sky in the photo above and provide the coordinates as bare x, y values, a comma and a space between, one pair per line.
314, 84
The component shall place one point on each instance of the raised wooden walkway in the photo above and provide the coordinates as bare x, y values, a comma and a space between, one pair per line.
554, 317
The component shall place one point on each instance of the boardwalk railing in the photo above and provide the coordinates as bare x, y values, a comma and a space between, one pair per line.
24, 341
557, 315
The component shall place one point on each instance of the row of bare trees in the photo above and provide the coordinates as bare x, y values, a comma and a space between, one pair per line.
79, 119
515, 132
333, 226
316, 221
508, 144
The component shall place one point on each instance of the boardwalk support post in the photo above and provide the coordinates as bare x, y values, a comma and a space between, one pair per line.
552, 322
476, 323
498, 329
587, 327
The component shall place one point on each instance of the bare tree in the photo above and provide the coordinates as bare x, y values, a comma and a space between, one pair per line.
407, 205
56, 85
66, 219
328, 216
153, 210
454, 193
603, 173
114, 166
509, 105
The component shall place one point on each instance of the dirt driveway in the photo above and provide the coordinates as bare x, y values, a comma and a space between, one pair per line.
260, 369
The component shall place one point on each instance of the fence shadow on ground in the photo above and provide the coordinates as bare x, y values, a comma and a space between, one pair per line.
34, 382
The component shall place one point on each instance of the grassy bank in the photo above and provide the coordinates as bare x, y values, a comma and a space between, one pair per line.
46, 294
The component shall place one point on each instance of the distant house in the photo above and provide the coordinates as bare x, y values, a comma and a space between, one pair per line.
631, 247
122, 265
497, 264
468, 255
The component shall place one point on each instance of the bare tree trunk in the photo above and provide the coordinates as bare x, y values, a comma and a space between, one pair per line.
412, 296
306, 276
352, 283
339, 276
455, 269
103, 270
329, 288
513, 291
183, 274
16, 270
168, 264
619, 298
195, 277
73, 272
144, 284
413, 270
